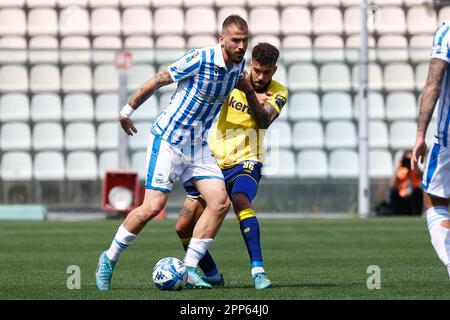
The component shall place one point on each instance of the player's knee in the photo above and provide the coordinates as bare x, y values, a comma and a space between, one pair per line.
445, 224
222, 206
151, 210
182, 230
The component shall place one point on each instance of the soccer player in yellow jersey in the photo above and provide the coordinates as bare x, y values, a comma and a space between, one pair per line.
237, 144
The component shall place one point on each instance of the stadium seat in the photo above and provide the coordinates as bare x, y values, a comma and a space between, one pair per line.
337, 106
12, 3
420, 19
200, 20
378, 134
420, 47
37, 54
45, 77
13, 78
40, 3
279, 164
13, 50
327, 20
304, 106
77, 107
42, 21
380, 164
225, 3
169, 49
105, 21
147, 110
255, 3
163, 21
74, 20
375, 77
296, 48
340, 134
106, 78
343, 164
103, 3
67, 3
264, 20
230, 8
444, 14
139, 74
46, 107
48, 136
138, 162
334, 76
14, 107
80, 52
167, 3
308, 134
312, 164
80, 135
402, 134
392, 48
281, 74
15, 136
104, 49
398, 76
201, 41
328, 48
389, 2
108, 135
389, 20
421, 74
12, 22
352, 48
141, 47
108, 160
295, 20
16, 166
107, 107
401, 105
279, 135
352, 20
193, 3
81, 165
318, 3
303, 76
140, 139
76, 78
269, 38
349, 3
49, 165
137, 21
375, 106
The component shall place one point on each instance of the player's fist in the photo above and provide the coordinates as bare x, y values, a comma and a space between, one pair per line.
418, 154
244, 84
127, 125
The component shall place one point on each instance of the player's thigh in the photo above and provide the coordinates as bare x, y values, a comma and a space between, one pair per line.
243, 181
213, 192
436, 176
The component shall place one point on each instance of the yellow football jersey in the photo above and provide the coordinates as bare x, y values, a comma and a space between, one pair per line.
236, 137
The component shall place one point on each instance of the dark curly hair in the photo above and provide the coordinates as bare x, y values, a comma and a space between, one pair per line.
236, 20
265, 53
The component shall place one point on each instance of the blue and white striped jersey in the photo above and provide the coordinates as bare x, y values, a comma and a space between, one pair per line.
204, 83
441, 50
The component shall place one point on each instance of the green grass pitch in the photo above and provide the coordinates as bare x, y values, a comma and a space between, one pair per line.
304, 258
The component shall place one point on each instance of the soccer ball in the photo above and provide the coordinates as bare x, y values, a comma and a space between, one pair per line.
170, 274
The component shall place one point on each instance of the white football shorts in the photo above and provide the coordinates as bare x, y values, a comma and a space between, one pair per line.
436, 176
166, 164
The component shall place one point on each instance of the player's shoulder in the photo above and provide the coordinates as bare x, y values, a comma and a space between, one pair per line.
441, 31
277, 88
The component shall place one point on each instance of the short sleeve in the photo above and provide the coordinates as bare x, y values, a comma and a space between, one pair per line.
187, 66
279, 98
440, 43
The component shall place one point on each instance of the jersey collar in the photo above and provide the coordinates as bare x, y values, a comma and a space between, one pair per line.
218, 56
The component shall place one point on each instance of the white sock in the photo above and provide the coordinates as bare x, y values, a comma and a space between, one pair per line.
121, 241
257, 270
196, 250
440, 236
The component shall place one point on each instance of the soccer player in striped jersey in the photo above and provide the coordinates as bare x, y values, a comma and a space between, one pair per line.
237, 144
177, 145
436, 177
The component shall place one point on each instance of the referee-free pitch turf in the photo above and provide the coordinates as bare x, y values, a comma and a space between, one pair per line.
304, 258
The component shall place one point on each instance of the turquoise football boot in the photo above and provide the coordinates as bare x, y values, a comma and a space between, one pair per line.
104, 272
195, 281
215, 283
260, 281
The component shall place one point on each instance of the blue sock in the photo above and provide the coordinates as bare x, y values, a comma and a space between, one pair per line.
206, 263
250, 233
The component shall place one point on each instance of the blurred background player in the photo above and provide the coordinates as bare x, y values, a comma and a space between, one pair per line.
436, 176
237, 144
177, 144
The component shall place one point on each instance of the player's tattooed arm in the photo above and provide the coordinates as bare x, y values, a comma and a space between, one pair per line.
262, 113
430, 94
159, 80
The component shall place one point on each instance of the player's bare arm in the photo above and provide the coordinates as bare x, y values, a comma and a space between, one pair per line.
159, 80
430, 96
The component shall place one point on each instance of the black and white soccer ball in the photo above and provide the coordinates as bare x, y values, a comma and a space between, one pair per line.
170, 274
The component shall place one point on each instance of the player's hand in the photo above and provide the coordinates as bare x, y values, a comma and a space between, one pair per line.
127, 125
418, 154
264, 97
244, 84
